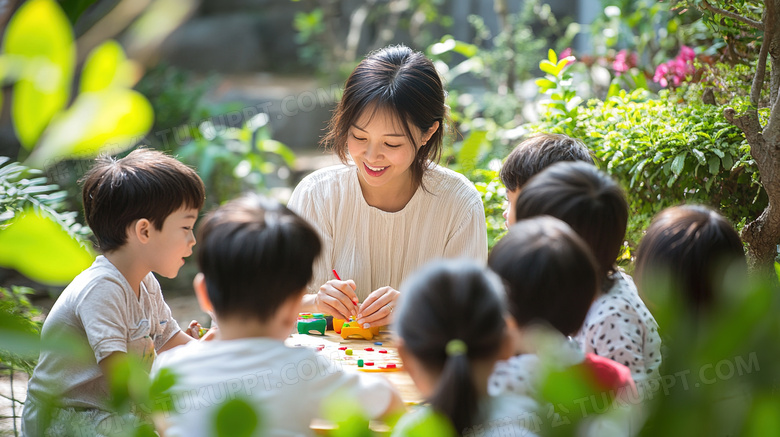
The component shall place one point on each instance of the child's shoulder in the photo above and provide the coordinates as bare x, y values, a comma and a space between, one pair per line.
101, 277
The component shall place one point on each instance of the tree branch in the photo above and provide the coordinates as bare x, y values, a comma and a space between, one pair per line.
747, 122
758, 79
752, 23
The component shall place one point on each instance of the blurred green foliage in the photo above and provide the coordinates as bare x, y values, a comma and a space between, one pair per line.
16, 308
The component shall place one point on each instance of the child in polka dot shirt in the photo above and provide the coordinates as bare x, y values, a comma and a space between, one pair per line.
618, 325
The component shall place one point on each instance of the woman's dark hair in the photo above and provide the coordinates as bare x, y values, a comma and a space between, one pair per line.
255, 254
452, 300
694, 245
539, 152
550, 273
406, 84
144, 184
588, 200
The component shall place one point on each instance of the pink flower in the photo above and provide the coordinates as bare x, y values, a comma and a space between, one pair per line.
686, 53
660, 74
676, 69
565, 54
624, 61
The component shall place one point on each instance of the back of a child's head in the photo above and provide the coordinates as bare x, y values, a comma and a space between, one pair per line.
451, 316
538, 152
587, 199
695, 246
550, 273
145, 184
255, 254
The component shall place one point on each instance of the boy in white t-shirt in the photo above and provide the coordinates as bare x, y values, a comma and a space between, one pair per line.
256, 257
141, 209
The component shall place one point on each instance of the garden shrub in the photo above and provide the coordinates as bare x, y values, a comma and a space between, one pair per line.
668, 151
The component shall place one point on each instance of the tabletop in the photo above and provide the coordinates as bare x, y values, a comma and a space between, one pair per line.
375, 358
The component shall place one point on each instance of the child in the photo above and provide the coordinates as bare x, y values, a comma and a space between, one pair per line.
534, 155
256, 258
551, 279
618, 326
695, 246
451, 331
141, 209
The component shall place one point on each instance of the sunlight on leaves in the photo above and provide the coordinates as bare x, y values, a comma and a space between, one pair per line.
50, 54
40, 249
106, 67
112, 120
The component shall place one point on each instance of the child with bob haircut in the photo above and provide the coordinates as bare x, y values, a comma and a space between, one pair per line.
255, 259
547, 307
693, 247
450, 332
618, 325
141, 209
534, 155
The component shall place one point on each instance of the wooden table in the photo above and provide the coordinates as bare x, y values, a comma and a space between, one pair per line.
400, 378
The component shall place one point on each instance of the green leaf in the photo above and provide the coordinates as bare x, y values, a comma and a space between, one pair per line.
106, 67
552, 57
549, 68
40, 34
614, 89
699, 156
728, 162
545, 84
469, 150
777, 270
450, 44
42, 250
111, 120
714, 164
763, 418
278, 148
236, 418
679, 163
640, 81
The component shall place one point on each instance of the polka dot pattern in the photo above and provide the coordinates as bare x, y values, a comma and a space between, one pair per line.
620, 327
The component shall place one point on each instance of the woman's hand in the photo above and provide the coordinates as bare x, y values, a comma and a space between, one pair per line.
377, 309
337, 298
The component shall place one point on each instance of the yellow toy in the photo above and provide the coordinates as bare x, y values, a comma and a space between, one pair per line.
348, 329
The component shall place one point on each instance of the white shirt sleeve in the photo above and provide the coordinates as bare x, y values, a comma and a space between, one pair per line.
306, 202
470, 239
101, 312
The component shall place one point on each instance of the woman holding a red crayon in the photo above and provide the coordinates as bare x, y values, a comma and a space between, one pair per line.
389, 208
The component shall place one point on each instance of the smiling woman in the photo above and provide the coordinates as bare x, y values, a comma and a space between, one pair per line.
389, 208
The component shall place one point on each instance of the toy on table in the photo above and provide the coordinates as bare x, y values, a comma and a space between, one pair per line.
309, 323
348, 329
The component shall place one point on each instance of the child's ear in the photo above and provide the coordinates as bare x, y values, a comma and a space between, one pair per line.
202, 293
142, 230
511, 344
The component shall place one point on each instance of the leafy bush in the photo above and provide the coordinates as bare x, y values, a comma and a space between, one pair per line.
235, 160
23, 188
14, 305
665, 151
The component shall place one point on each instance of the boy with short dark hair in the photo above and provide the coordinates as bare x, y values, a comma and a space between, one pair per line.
551, 278
141, 209
534, 155
256, 257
